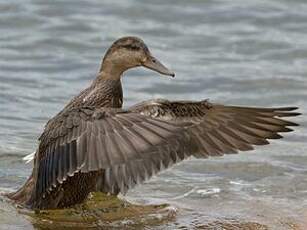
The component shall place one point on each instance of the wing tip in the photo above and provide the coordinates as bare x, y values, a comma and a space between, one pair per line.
290, 108
288, 114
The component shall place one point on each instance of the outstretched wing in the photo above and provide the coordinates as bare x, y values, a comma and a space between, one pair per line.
131, 146
89, 139
220, 129
209, 130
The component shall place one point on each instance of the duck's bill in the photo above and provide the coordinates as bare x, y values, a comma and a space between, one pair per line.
154, 64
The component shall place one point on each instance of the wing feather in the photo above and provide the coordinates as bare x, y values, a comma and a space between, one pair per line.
219, 129
90, 139
132, 146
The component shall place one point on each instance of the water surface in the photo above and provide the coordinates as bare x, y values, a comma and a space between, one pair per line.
235, 52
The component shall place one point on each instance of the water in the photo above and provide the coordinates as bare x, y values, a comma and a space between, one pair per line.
233, 52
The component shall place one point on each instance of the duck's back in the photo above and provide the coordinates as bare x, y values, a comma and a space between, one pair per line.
102, 93
105, 93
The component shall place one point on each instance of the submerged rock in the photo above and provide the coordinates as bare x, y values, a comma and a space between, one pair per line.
101, 211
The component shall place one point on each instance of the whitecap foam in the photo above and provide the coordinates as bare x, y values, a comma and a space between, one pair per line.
209, 191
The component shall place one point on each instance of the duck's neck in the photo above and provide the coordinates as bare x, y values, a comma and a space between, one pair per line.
105, 92
111, 68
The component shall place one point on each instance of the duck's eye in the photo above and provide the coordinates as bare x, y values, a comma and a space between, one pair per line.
135, 47
154, 60
132, 47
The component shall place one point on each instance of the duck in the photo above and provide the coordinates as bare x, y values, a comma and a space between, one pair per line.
94, 145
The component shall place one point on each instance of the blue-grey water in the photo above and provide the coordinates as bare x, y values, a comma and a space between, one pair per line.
233, 52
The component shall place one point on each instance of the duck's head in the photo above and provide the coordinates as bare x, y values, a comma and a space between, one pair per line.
127, 53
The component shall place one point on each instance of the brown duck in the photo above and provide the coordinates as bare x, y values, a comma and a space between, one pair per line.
94, 145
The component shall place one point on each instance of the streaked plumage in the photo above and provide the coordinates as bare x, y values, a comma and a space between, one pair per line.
93, 144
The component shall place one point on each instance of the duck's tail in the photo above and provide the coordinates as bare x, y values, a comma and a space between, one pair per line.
28, 158
22, 195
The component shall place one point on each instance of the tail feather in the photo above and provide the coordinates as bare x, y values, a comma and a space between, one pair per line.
28, 158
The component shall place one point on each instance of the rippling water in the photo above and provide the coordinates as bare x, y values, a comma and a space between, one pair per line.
235, 52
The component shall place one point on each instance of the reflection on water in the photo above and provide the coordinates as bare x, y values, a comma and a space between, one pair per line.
235, 52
